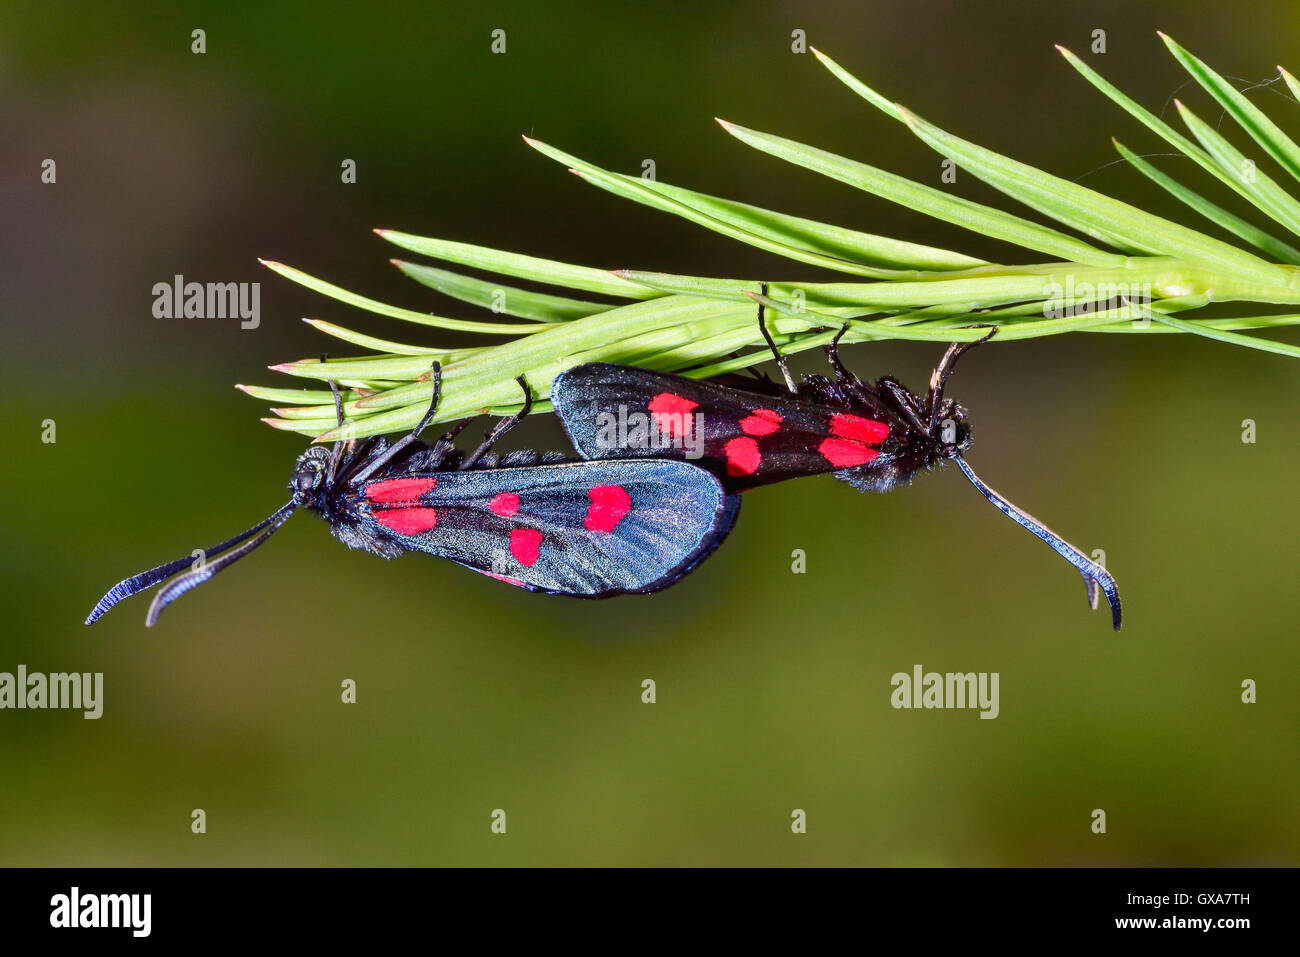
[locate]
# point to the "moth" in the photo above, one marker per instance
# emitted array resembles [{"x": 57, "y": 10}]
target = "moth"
[
  {"x": 539, "y": 522},
  {"x": 874, "y": 436}
]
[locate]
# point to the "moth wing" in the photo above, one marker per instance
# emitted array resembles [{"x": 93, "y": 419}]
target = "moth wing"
[
  {"x": 745, "y": 438},
  {"x": 591, "y": 529}
]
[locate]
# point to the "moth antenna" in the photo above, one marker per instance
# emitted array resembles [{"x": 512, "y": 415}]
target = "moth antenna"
[
  {"x": 138, "y": 583},
  {"x": 1095, "y": 578},
  {"x": 197, "y": 577}
]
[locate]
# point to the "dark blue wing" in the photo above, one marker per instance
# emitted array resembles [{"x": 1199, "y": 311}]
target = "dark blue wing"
[
  {"x": 591, "y": 529},
  {"x": 746, "y": 438}
]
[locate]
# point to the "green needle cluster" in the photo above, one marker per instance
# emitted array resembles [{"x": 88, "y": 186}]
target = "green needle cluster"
[{"x": 1106, "y": 266}]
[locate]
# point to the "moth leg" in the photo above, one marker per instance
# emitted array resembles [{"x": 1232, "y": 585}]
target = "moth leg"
[
  {"x": 443, "y": 447},
  {"x": 753, "y": 371},
  {"x": 756, "y": 373},
  {"x": 336, "y": 453},
  {"x": 833, "y": 354},
  {"x": 903, "y": 399},
  {"x": 405, "y": 440},
  {"x": 456, "y": 429},
  {"x": 501, "y": 428},
  {"x": 771, "y": 344},
  {"x": 943, "y": 370}
]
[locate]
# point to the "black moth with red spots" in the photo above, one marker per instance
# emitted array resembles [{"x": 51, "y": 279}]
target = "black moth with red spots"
[
  {"x": 875, "y": 437},
  {"x": 587, "y": 529},
  {"x": 755, "y": 435}
]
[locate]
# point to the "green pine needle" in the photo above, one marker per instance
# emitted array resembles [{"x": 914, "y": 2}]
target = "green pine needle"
[{"x": 1118, "y": 269}]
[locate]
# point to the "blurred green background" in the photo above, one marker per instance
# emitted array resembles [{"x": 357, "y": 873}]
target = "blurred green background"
[{"x": 773, "y": 688}]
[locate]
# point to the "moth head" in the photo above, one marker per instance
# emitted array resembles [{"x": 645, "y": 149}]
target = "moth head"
[
  {"x": 951, "y": 434},
  {"x": 309, "y": 473}
]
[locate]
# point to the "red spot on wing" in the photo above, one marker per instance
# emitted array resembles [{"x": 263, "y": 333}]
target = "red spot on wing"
[
  {"x": 669, "y": 411},
  {"x": 400, "y": 490},
  {"x": 859, "y": 429},
  {"x": 742, "y": 456},
  {"x": 408, "y": 521},
  {"x": 609, "y": 505},
  {"x": 505, "y": 504},
  {"x": 761, "y": 422},
  {"x": 505, "y": 578},
  {"x": 525, "y": 543},
  {"x": 844, "y": 453}
]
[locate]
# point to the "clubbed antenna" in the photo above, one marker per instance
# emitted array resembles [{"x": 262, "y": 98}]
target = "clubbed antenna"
[
  {"x": 1095, "y": 577},
  {"x": 138, "y": 583}
]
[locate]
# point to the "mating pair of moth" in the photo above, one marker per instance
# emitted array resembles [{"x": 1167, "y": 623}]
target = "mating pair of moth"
[{"x": 628, "y": 519}]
